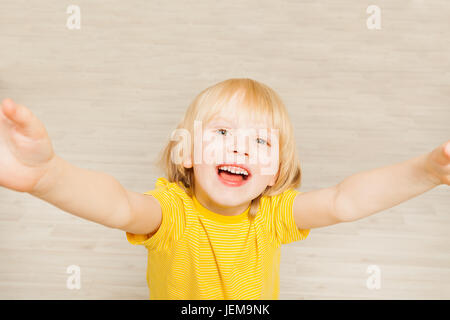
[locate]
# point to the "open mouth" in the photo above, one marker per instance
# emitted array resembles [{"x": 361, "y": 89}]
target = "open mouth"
[{"x": 232, "y": 174}]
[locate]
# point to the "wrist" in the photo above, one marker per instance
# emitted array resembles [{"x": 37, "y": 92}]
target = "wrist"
[
  {"x": 53, "y": 173},
  {"x": 428, "y": 172}
]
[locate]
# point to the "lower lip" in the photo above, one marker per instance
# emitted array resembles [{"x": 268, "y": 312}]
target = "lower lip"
[{"x": 229, "y": 183}]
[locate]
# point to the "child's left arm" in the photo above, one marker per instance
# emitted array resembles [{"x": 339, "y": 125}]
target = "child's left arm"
[{"x": 369, "y": 192}]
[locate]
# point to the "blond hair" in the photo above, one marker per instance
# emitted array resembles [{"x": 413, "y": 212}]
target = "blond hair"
[{"x": 258, "y": 102}]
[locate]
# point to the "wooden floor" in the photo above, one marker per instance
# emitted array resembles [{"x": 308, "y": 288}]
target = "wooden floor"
[{"x": 111, "y": 93}]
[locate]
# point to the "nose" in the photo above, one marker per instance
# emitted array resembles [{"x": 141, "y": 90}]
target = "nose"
[
  {"x": 246, "y": 153},
  {"x": 240, "y": 146}
]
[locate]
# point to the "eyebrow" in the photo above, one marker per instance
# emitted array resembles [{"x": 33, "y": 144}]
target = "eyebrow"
[
  {"x": 220, "y": 120},
  {"x": 216, "y": 120}
]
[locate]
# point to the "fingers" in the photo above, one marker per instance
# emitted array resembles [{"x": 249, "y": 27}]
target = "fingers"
[
  {"x": 15, "y": 112},
  {"x": 441, "y": 155},
  {"x": 25, "y": 122},
  {"x": 7, "y": 106},
  {"x": 447, "y": 149}
]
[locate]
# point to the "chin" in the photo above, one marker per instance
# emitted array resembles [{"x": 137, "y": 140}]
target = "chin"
[{"x": 230, "y": 201}]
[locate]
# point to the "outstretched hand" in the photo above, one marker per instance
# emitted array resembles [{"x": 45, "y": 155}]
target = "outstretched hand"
[
  {"x": 26, "y": 152},
  {"x": 438, "y": 164}
]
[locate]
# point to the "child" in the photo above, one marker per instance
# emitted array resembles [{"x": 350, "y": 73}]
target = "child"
[{"x": 214, "y": 226}]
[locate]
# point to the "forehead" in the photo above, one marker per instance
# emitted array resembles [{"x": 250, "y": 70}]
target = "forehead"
[
  {"x": 236, "y": 123},
  {"x": 239, "y": 109}
]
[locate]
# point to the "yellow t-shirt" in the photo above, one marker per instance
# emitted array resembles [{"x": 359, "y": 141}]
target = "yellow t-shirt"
[{"x": 199, "y": 254}]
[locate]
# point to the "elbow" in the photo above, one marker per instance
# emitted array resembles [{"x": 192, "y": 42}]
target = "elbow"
[
  {"x": 121, "y": 223},
  {"x": 122, "y": 217},
  {"x": 343, "y": 208}
]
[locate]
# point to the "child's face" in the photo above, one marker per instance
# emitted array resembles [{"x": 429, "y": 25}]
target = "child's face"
[{"x": 228, "y": 140}]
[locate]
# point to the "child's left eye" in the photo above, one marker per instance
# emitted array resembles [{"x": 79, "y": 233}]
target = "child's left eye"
[{"x": 263, "y": 141}]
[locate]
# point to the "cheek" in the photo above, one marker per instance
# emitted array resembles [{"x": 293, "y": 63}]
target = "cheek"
[
  {"x": 211, "y": 152},
  {"x": 259, "y": 181},
  {"x": 268, "y": 156},
  {"x": 267, "y": 179},
  {"x": 214, "y": 150},
  {"x": 200, "y": 170}
]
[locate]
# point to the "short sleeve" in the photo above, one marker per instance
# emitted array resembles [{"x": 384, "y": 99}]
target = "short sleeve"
[
  {"x": 285, "y": 229},
  {"x": 172, "y": 223}
]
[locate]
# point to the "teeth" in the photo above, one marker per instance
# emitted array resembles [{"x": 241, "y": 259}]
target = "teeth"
[{"x": 234, "y": 170}]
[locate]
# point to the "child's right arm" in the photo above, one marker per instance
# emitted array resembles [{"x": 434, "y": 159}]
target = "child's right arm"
[{"x": 28, "y": 164}]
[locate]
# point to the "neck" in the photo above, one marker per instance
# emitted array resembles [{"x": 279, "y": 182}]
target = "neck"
[{"x": 217, "y": 208}]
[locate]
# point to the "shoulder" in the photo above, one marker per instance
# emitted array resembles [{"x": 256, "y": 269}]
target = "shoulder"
[
  {"x": 277, "y": 213},
  {"x": 274, "y": 203},
  {"x": 173, "y": 201},
  {"x": 170, "y": 194}
]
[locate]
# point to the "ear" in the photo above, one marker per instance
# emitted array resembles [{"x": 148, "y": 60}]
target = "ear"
[{"x": 187, "y": 163}]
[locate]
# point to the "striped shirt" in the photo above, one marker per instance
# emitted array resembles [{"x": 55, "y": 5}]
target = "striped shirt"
[{"x": 199, "y": 254}]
